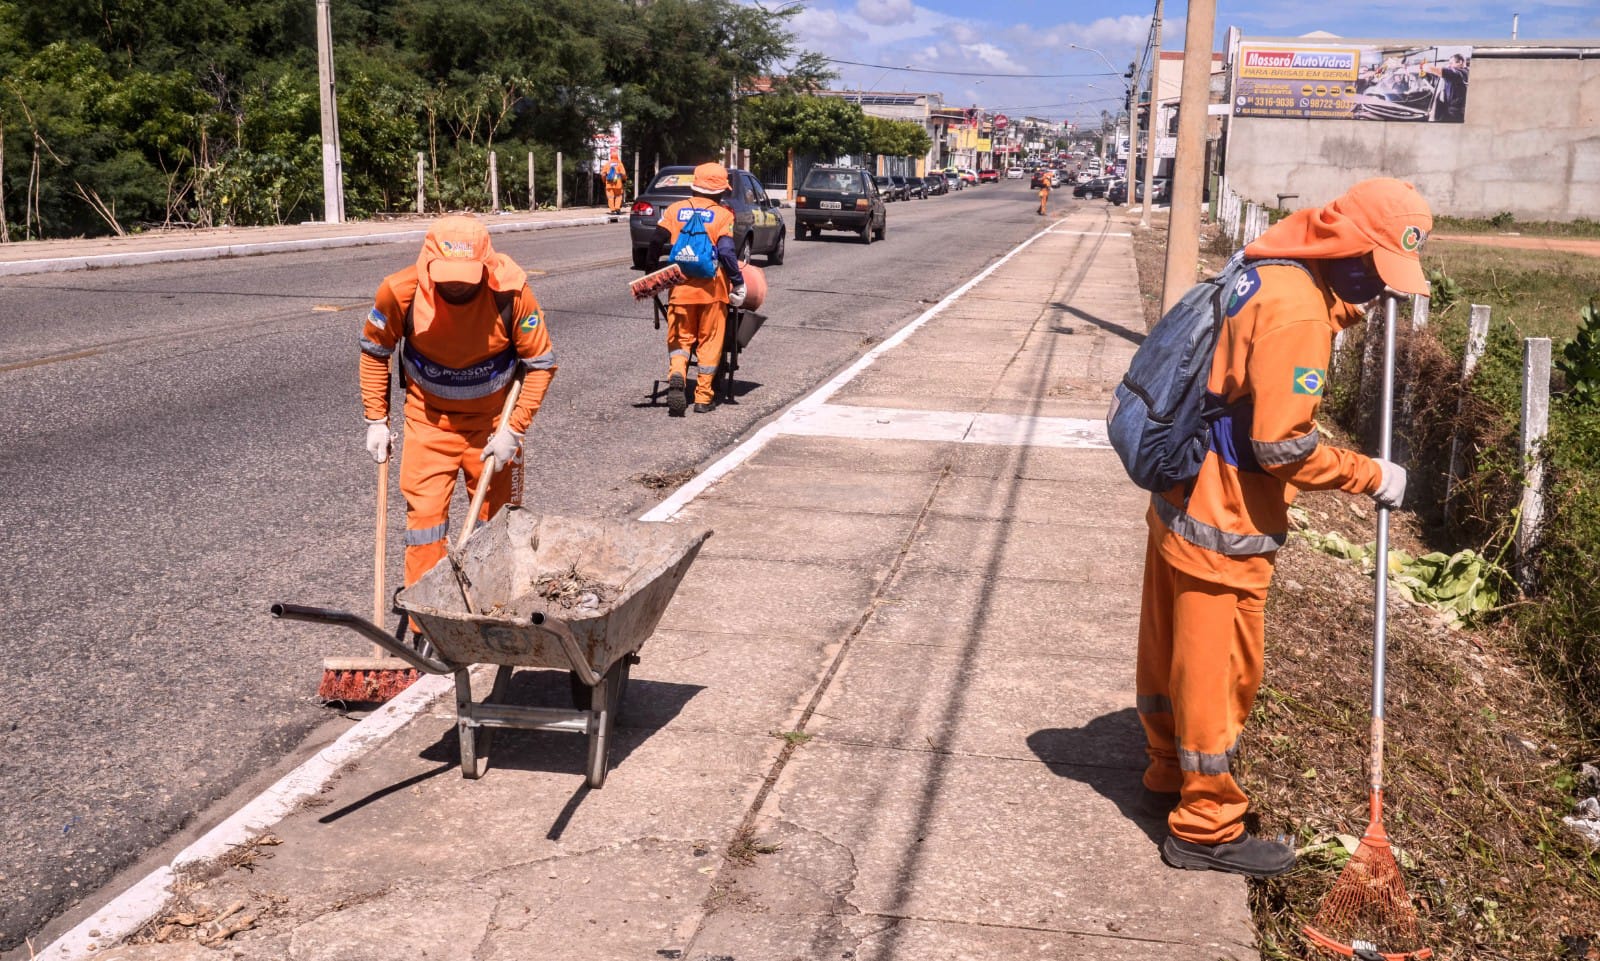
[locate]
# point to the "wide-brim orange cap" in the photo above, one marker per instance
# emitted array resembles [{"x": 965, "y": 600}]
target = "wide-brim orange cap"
[
  {"x": 457, "y": 250},
  {"x": 1397, "y": 220},
  {"x": 710, "y": 179}
]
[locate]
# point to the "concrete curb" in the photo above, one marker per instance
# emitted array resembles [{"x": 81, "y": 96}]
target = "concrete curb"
[
  {"x": 135, "y": 258},
  {"x": 138, "y": 904}
]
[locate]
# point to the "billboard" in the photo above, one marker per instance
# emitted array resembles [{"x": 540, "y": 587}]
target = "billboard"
[{"x": 1347, "y": 82}]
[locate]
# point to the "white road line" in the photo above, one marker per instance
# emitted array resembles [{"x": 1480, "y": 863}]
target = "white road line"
[
  {"x": 1092, "y": 233},
  {"x": 138, "y": 904},
  {"x": 669, "y": 508},
  {"x": 49, "y": 265},
  {"x": 944, "y": 426}
]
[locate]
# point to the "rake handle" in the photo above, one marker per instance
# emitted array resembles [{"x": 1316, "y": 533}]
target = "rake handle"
[
  {"x": 380, "y": 550},
  {"x": 1380, "y": 637}
]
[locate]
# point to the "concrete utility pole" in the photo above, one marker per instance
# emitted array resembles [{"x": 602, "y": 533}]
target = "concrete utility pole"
[
  {"x": 1150, "y": 118},
  {"x": 332, "y": 174},
  {"x": 1188, "y": 175}
]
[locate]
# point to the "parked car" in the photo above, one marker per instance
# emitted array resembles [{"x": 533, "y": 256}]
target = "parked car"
[
  {"x": 969, "y": 176},
  {"x": 758, "y": 227},
  {"x": 1093, "y": 188},
  {"x": 1013, "y": 173},
  {"x": 938, "y": 183},
  {"x": 917, "y": 187},
  {"x": 1161, "y": 187},
  {"x": 886, "y": 186},
  {"x": 988, "y": 175},
  {"x": 902, "y": 186},
  {"x": 953, "y": 174},
  {"x": 840, "y": 198}
]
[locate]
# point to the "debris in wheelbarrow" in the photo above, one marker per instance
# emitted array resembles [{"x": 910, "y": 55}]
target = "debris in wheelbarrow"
[{"x": 631, "y": 568}]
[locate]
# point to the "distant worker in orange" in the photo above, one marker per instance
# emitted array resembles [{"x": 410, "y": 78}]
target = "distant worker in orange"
[
  {"x": 1044, "y": 192},
  {"x": 1213, "y": 541},
  {"x": 465, "y": 324},
  {"x": 615, "y": 177},
  {"x": 697, "y": 309}
]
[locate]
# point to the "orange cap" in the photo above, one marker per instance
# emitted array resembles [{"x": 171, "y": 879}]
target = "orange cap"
[
  {"x": 457, "y": 250},
  {"x": 710, "y": 179},
  {"x": 1398, "y": 220}
]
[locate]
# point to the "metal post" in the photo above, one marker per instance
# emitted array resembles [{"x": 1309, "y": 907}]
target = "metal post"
[
  {"x": 532, "y": 205},
  {"x": 1188, "y": 175},
  {"x": 1477, "y": 342},
  {"x": 1420, "y": 311},
  {"x": 1150, "y": 121},
  {"x": 1535, "y": 424},
  {"x": 559, "y": 191},
  {"x": 638, "y": 175},
  {"x": 494, "y": 181},
  {"x": 422, "y": 181},
  {"x": 332, "y": 176}
]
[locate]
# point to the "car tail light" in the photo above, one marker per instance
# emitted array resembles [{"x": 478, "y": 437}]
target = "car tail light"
[
  {"x": 863, "y": 204},
  {"x": 642, "y": 208},
  {"x": 800, "y": 201}
]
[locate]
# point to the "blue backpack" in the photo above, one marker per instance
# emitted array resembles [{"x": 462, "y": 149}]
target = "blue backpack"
[
  {"x": 693, "y": 251},
  {"x": 1161, "y": 416},
  {"x": 611, "y": 175}
]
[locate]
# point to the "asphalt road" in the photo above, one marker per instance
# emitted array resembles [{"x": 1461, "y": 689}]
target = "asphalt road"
[{"x": 182, "y": 446}]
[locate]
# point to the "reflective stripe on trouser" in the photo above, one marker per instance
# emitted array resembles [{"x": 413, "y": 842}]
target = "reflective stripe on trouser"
[
  {"x": 698, "y": 328},
  {"x": 428, "y": 465},
  {"x": 1200, "y": 662}
]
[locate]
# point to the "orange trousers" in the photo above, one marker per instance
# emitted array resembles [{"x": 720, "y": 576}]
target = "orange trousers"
[
  {"x": 614, "y": 198},
  {"x": 1044, "y": 200},
  {"x": 428, "y": 464},
  {"x": 1199, "y": 667},
  {"x": 697, "y": 329}
]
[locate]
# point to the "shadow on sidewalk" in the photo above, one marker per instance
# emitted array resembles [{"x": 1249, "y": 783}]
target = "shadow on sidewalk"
[{"x": 1060, "y": 747}]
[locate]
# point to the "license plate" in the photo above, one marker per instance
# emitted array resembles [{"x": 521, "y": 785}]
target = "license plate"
[{"x": 830, "y": 205}]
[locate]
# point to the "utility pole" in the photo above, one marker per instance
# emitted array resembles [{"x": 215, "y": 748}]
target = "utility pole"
[
  {"x": 1188, "y": 175},
  {"x": 332, "y": 175},
  {"x": 1150, "y": 118}
]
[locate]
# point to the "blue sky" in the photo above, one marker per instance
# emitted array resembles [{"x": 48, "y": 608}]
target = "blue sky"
[{"x": 1000, "y": 43}]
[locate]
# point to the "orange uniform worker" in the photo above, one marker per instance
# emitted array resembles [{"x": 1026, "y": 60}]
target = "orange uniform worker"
[
  {"x": 1044, "y": 193},
  {"x": 465, "y": 322},
  {"x": 1213, "y": 541},
  {"x": 697, "y": 309},
  {"x": 616, "y": 177}
]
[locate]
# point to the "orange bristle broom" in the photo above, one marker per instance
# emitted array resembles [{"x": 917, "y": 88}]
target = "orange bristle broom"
[
  {"x": 380, "y": 677},
  {"x": 1368, "y": 913}
]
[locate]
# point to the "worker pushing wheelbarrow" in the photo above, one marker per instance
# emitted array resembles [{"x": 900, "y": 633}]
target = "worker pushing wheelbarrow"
[{"x": 537, "y": 591}]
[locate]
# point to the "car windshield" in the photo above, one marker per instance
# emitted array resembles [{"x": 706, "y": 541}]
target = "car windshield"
[
  {"x": 846, "y": 181},
  {"x": 672, "y": 182}
]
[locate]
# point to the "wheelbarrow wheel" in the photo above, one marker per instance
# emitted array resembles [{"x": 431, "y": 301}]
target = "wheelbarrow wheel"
[{"x": 603, "y": 718}]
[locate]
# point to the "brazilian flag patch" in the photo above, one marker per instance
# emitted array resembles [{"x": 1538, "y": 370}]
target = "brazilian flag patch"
[
  {"x": 529, "y": 323},
  {"x": 1310, "y": 380}
]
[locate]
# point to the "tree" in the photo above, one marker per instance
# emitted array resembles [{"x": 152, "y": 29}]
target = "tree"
[{"x": 825, "y": 127}]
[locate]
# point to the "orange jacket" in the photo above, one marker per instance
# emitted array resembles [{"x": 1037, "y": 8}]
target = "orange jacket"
[
  {"x": 695, "y": 290},
  {"x": 458, "y": 360},
  {"x": 1272, "y": 360},
  {"x": 622, "y": 175}
]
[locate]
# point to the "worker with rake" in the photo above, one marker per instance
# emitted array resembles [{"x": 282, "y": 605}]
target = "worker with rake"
[
  {"x": 466, "y": 324},
  {"x": 1213, "y": 540}
]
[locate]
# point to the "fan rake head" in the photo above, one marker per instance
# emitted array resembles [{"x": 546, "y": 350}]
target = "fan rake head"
[{"x": 1368, "y": 905}]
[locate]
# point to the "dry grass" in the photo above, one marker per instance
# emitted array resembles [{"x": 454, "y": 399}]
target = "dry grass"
[{"x": 1479, "y": 761}]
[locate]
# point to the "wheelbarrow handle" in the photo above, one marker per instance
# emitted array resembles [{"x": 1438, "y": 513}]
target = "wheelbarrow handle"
[{"x": 364, "y": 627}]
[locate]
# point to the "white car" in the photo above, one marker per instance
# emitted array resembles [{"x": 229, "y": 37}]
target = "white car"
[{"x": 1013, "y": 173}]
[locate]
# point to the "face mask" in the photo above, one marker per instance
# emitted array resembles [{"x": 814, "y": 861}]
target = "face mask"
[{"x": 1354, "y": 279}]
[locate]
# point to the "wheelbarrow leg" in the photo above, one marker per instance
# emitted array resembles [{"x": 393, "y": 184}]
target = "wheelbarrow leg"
[
  {"x": 604, "y": 701},
  {"x": 476, "y": 741}
]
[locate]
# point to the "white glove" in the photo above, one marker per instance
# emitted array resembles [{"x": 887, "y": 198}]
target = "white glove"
[
  {"x": 502, "y": 447},
  {"x": 736, "y": 296},
  {"x": 378, "y": 440},
  {"x": 1392, "y": 488}
]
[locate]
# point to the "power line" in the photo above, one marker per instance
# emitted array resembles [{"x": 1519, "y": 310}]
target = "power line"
[{"x": 964, "y": 73}]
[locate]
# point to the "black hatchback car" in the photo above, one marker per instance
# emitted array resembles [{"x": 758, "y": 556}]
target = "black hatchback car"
[
  {"x": 758, "y": 227},
  {"x": 839, "y": 198}
]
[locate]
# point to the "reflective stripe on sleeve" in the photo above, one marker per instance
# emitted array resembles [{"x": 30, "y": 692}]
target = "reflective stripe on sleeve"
[
  {"x": 1272, "y": 453},
  {"x": 377, "y": 350},
  {"x": 427, "y": 535},
  {"x": 1153, "y": 704},
  {"x": 1203, "y": 535},
  {"x": 544, "y": 361}
]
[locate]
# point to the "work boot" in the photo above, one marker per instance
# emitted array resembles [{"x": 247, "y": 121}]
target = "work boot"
[
  {"x": 1245, "y": 854},
  {"x": 675, "y": 396},
  {"x": 704, "y": 408},
  {"x": 1157, "y": 804}
]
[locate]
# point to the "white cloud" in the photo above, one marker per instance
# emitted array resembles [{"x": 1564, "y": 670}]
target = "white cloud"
[{"x": 886, "y": 13}]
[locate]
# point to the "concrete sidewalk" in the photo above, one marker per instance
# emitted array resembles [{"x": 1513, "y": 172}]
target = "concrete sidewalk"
[
  {"x": 889, "y": 714},
  {"x": 162, "y": 246}
]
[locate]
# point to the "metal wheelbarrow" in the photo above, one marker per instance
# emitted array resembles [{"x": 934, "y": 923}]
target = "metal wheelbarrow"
[{"x": 552, "y": 592}]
